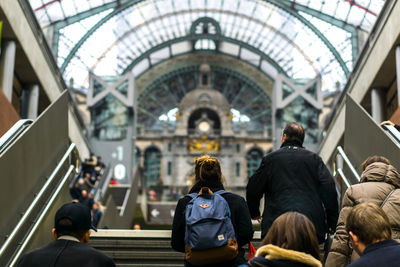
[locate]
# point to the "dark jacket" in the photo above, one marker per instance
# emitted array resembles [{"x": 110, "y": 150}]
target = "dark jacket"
[
  {"x": 240, "y": 218},
  {"x": 65, "y": 253},
  {"x": 76, "y": 192},
  {"x": 273, "y": 256},
  {"x": 87, "y": 201},
  {"x": 294, "y": 179},
  {"x": 385, "y": 253}
]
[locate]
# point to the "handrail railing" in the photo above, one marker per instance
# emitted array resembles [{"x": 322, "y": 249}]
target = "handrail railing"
[
  {"x": 44, "y": 212},
  {"x": 13, "y": 133},
  {"x": 125, "y": 202},
  {"x": 346, "y": 159},
  {"x": 392, "y": 131},
  {"x": 343, "y": 176},
  {"x": 103, "y": 184},
  {"x": 36, "y": 200}
]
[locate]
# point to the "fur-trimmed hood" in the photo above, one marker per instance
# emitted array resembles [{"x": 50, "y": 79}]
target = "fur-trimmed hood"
[{"x": 271, "y": 252}]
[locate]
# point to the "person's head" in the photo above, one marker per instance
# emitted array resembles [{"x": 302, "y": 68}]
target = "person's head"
[
  {"x": 293, "y": 132},
  {"x": 207, "y": 168},
  {"x": 73, "y": 219},
  {"x": 367, "y": 223},
  {"x": 293, "y": 230},
  {"x": 373, "y": 159},
  {"x": 88, "y": 175},
  {"x": 137, "y": 227},
  {"x": 95, "y": 206},
  {"x": 84, "y": 193}
]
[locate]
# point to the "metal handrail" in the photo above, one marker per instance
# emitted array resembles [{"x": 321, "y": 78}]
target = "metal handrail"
[
  {"x": 44, "y": 213},
  {"x": 341, "y": 173},
  {"x": 36, "y": 200},
  {"x": 346, "y": 159},
  {"x": 393, "y": 132},
  {"x": 126, "y": 198},
  {"x": 13, "y": 133},
  {"x": 103, "y": 184}
]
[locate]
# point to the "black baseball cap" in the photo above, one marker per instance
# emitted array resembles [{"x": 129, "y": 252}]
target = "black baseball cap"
[{"x": 78, "y": 214}]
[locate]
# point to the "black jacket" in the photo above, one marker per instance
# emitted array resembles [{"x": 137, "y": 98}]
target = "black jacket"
[
  {"x": 65, "y": 253},
  {"x": 294, "y": 179},
  {"x": 240, "y": 217}
]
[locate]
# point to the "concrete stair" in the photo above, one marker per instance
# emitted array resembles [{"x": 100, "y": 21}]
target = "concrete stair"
[{"x": 129, "y": 248}]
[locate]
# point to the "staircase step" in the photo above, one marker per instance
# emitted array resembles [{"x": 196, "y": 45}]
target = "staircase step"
[
  {"x": 149, "y": 265},
  {"x": 144, "y": 249}
]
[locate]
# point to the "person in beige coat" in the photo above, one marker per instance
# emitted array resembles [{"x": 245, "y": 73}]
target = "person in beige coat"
[{"x": 380, "y": 184}]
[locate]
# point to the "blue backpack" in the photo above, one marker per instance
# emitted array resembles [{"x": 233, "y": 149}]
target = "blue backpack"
[{"x": 209, "y": 234}]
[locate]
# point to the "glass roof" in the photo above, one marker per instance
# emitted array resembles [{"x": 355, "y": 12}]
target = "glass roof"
[{"x": 302, "y": 38}]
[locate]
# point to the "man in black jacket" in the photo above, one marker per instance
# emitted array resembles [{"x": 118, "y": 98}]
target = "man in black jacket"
[
  {"x": 293, "y": 179},
  {"x": 71, "y": 232}
]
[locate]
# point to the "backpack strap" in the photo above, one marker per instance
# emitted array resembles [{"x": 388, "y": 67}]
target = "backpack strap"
[
  {"x": 222, "y": 192},
  {"x": 192, "y": 195},
  {"x": 219, "y": 192}
]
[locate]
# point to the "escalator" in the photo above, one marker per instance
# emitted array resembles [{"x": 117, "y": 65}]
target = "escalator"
[
  {"x": 36, "y": 166},
  {"x": 363, "y": 137}
]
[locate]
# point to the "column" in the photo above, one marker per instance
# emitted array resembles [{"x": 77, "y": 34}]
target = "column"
[
  {"x": 7, "y": 62},
  {"x": 33, "y": 102},
  {"x": 378, "y": 104},
  {"x": 398, "y": 73}
]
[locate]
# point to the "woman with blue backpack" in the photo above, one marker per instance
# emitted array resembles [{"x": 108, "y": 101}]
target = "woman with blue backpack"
[{"x": 210, "y": 224}]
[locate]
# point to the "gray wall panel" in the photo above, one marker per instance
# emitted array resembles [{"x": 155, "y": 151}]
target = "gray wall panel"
[
  {"x": 26, "y": 164},
  {"x": 364, "y": 137}
]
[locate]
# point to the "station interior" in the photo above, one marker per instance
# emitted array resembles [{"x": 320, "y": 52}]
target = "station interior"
[{"x": 141, "y": 89}]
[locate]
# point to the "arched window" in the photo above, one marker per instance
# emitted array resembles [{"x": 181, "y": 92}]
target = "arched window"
[
  {"x": 254, "y": 157},
  {"x": 152, "y": 158},
  {"x": 205, "y": 44}
]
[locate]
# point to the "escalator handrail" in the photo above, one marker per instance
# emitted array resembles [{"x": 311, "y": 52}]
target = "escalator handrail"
[
  {"x": 36, "y": 200},
  {"x": 346, "y": 159},
  {"x": 13, "y": 133},
  {"x": 393, "y": 132},
  {"x": 43, "y": 213}
]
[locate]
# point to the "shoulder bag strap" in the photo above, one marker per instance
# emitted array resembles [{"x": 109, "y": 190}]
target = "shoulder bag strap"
[{"x": 387, "y": 197}]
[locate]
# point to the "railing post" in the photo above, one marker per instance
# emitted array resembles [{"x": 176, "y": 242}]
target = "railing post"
[{"x": 339, "y": 161}]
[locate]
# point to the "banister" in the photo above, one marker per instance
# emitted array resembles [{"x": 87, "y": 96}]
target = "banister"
[{"x": 36, "y": 200}]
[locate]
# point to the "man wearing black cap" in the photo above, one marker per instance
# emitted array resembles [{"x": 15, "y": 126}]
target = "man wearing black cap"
[{"x": 71, "y": 232}]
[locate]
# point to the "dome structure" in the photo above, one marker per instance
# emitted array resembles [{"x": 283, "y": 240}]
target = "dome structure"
[{"x": 205, "y": 97}]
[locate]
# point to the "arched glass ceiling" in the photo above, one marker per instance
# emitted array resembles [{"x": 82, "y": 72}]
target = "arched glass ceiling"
[
  {"x": 245, "y": 97},
  {"x": 304, "y": 38}
]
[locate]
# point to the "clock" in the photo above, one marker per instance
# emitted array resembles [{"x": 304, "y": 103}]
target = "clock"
[{"x": 204, "y": 126}]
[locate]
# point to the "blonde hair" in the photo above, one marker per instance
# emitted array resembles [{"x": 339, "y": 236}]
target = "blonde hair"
[{"x": 207, "y": 168}]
